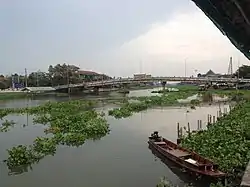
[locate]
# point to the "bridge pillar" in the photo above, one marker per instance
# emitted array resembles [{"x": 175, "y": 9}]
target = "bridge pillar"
[
  {"x": 163, "y": 83},
  {"x": 96, "y": 89},
  {"x": 125, "y": 88}
]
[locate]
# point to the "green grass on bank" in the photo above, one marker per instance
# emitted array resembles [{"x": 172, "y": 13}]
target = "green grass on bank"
[
  {"x": 183, "y": 88},
  {"x": 12, "y": 95}
]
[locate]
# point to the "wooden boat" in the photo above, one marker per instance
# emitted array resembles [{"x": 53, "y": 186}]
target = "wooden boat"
[{"x": 189, "y": 160}]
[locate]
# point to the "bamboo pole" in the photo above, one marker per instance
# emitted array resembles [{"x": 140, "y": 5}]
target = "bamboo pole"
[
  {"x": 188, "y": 128},
  {"x": 178, "y": 130}
]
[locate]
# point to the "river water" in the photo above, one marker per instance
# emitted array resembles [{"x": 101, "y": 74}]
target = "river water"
[{"x": 119, "y": 159}]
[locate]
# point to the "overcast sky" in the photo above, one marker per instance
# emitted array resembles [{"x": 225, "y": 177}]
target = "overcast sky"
[{"x": 115, "y": 37}]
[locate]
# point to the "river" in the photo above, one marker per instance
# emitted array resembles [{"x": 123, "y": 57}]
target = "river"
[{"x": 121, "y": 158}]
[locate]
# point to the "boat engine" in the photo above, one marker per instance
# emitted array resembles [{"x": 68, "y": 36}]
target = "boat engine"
[{"x": 155, "y": 136}]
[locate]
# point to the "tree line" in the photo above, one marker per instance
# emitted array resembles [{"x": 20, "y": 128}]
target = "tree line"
[
  {"x": 59, "y": 74},
  {"x": 62, "y": 74}
]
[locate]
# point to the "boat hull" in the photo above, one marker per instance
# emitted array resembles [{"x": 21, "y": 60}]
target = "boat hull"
[{"x": 183, "y": 164}]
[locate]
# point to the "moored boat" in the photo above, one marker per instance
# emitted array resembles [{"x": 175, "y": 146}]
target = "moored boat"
[{"x": 185, "y": 158}]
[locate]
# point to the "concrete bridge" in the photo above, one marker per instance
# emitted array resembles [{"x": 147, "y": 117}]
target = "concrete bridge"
[{"x": 127, "y": 81}]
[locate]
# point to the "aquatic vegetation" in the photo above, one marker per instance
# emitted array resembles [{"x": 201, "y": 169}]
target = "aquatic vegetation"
[
  {"x": 166, "y": 183},
  {"x": 6, "y": 125},
  {"x": 234, "y": 95},
  {"x": 44, "y": 146},
  {"x": 128, "y": 109},
  {"x": 20, "y": 155},
  {"x": 195, "y": 102},
  {"x": 219, "y": 184},
  {"x": 70, "y": 123},
  {"x": 207, "y": 97},
  {"x": 227, "y": 142}
]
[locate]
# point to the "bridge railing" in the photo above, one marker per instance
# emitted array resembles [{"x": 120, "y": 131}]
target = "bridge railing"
[{"x": 152, "y": 79}]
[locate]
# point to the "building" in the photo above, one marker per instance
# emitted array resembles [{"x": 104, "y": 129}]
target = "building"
[
  {"x": 92, "y": 76},
  {"x": 210, "y": 73},
  {"x": 38, "y": 89},
  {"x": 142, "y": 76}
]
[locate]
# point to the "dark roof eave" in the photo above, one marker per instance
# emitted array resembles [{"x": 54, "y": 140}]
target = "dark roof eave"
[{"x": 225, "y": 26}]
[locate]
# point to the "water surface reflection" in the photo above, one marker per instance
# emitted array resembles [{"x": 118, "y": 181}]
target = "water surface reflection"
[{"x": 121, "y": 158}]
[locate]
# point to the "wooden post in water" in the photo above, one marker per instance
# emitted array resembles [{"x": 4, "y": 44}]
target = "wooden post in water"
[
  {"x": 178, "y": 130},
  {"x": 213, "y": 119},
  {"x": 210, "y": 119},
  {"x": 181, "y": 133},
  {"x": 200, "y": 125},
  {"x": 188, "y": 128},
  {"x": 178, "y": 134}
]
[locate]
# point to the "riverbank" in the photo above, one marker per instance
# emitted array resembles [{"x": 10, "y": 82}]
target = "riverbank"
[
  {"x": 12, "y": 95},
  {"x": 4, "y": 96}
]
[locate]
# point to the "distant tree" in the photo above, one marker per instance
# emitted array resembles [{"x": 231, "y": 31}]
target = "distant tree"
[
  {"x": 39, "y": 79},
  {"x": 3, "y": 82},
  {"x": 243, "y": 71},
  {"x": 62, "y": 74},
  {"x": 8, "y": 81},
  {"x": 3, "y": 85}
]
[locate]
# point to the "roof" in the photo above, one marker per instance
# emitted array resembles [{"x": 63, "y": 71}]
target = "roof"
[
  {"x": 232, "y": 18},
  {"x": 39, "y": 89},
  {"x": 210, "y": 72},
  {"x": 82, "y": 72}
]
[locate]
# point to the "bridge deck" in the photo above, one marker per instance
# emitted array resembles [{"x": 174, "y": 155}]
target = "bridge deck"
[{"x": 150, "y": 80}]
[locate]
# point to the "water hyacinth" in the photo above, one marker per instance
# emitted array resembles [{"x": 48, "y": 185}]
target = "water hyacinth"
[
  {"x": 227, "y": 142},
  {"x": 144, "y": 103},
  {"x": 70, "y": 123}
]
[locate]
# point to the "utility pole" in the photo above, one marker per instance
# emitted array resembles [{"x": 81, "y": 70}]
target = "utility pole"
[
  {"x": 238, "y": 74},
  {"x": 37, "y": 81},
  {"x": 12, "y": 81},
  {"x": 238, "y": 69},
  {"x": 185, "y": 67},
  {"x": 140, "y": 66},
  {"x": 68, "y": 82},
  {"x": 26, "y": 81}
]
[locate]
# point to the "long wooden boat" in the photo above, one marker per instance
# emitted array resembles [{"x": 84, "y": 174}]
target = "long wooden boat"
[{"x": 187, "y": 159}]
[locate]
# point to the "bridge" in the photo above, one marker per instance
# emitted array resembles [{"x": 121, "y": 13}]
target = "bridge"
[{"x": 127, "y": 81}]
